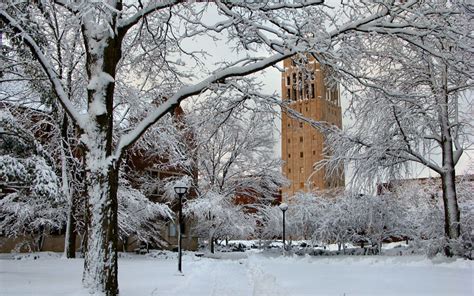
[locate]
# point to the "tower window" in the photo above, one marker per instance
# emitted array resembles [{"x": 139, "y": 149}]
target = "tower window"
[
  {"x": 288, "y": 80},
  {"x": 301, "y": 125},
  {"x": 289, "y": 155},
  {"x": 314, "y": 152},
  {"x": 301, "y": 170},
  {"x": 301, "y": 139},
  {"x": 289, "y": 170},
  {"x": 294, "y": 94},
  {"x": 288, "y": 93},
  {"x": 334, "y": 94},
  {"x": 313, "y": 95},
  {"x": 294, "y": 78},
  {"x": 289, "y": 140},
  {"x": 301, "y": 154}
]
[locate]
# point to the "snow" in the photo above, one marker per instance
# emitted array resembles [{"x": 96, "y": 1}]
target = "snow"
[{"x": 250, "y": 273}]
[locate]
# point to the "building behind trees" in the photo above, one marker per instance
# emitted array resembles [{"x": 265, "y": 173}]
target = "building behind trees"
[{"x": 308, "y": 92}]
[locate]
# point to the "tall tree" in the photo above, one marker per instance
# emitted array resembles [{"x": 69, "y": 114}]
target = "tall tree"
[
  {"x": 235, "y": 147},
  {"x": 235, "y": 160},
  {"x": 407, "y": 107}
]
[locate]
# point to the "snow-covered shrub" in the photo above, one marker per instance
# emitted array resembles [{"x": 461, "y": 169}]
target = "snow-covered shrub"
[
  {"x": 31, "y": 203},
  {"x": 34, "y": 206},
  {"x": 138, "y": 216},
  {"x": 361, "y": 219},
  {"x": 381, "y": 218},
  {"x": 425, "y": 216},
  {"x": 218, "y": 217},
  {"x": 269, "y": 222},
  {"x": 304, "y": 213}
]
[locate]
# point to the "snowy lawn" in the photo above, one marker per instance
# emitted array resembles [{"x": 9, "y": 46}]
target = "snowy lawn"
[{"x": 248, "y": 273}]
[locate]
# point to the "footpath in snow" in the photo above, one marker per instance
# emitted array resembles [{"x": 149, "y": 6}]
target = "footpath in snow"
[{"x": 246, "y": 274}]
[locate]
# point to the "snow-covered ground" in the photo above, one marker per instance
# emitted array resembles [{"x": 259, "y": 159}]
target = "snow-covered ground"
[{"x": 250, "y": 273}]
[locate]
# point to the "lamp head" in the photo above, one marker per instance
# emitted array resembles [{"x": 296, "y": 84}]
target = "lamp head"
[
  {"x": 180, "y": 187},
  {"x": 283, "y": 206}
]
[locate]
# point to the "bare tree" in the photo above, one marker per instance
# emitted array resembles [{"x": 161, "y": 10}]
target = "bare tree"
[
  {"x": 234, "y": 143},
  {"x": 237, "y": 168}
]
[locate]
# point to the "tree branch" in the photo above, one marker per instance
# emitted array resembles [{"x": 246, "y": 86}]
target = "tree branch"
[{"x": 47, "y": 67}]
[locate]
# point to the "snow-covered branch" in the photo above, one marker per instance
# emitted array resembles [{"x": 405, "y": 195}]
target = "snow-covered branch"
[
  {"x": 47, "y": 67},
  {"x": 132, "y": 136}
]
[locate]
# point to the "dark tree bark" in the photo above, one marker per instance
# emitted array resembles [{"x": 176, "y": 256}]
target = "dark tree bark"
[
  {"x": 211, "y": 244},
  {"x": 452, "y": 218},
  {"x": 100, "y": 264}
]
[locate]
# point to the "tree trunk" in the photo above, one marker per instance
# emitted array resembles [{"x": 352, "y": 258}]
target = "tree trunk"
[
  {"x": 125, "y": 244},
  {"x": 84, "y": 203},
  {"x": 70, "y": 235},
  {"x": 451, "y": 209},
  {"x": 211, "y": 244},
  {"x": 100, "y": 264},
  {"x": 40, "y": 240},
  {"x": 103, "y": 52}
]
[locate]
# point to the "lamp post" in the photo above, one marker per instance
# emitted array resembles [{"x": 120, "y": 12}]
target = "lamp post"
[
  {"x": 283, "y": 207},
  {"x": 180, "y": 188}
]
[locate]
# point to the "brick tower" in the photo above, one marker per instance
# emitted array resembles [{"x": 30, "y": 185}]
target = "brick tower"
[{"x": 303, "y": 84}]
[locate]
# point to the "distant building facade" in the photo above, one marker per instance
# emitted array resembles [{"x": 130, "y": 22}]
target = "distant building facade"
[{"x": 303, "y": 85}]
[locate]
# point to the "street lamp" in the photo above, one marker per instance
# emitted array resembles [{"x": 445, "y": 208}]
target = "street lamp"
[
  {"x": 283, "y": 207},
  {"x": 180, "y": 188}
]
